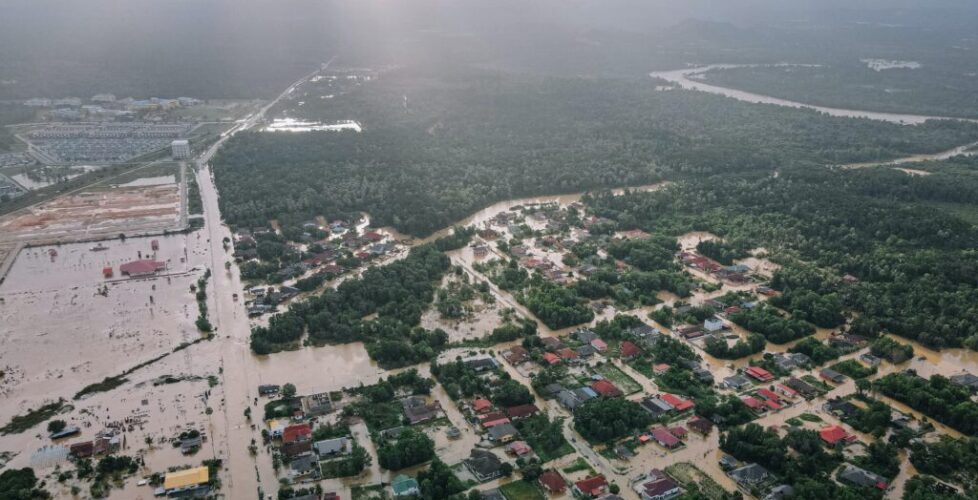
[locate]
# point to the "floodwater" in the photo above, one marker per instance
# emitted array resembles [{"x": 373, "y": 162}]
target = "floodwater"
[
  {"x": 692, "y": 78},
  {"x": 295, "y": 125},
  {"x": 965, "y": 150}
]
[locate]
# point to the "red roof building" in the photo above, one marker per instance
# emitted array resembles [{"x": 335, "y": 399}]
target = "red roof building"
[
  {"x": 493, "y": 419},
  {"x": 834, "y": 434},
  {"x": 298, "y": 432},
  {"x": 144, "y": 267},
  {"x": 769, "y": 395},
  {"x": 599, "y": 345},
  {"x": 753, "y": 403},
  {"x": 551, "y": 358},
  {"x": 481, "y": 405},
  {"x": 373, "y": 236},
  {"x": 680, "y": 404},
  {"x": 759, "y": 374},
  {"x": 700, "y": 425},
  {"x": 678, "y": 431},
  {"x": 665, "y": 438},
  {"x": 772, "y": 405},
  {"x": 660, "y": 368},
  {"x": 522, "y": 411},
  {"x": 107, "y": 272},
  {"x": 518, "y": 448},
  {"x": 552, "y": 482},
  {"x": 628, "y": 350},
  {"x": 567, "y": 353},
  {"x": 787, "y": 391},
  {"x": 606, "y": 388},
  {"x": 592, "y": 486}
]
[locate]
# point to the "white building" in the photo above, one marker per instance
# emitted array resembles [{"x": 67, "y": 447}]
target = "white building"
[{"x": 180, "y": 149}]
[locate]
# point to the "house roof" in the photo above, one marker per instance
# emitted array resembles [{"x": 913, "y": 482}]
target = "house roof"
[
  {"x": 862, "y": 477},
  {"x": 330, "y": 446},
  {"x": 606, "y": 388},
  {"x": 752, "y": 402},
  {"x": 296, "y": 432},
  {"x": 403, "y": 485},
  {"x": 627, "y": 349},
  {"x": 141, "y": 267},
  {"x": 522, "y": 411},
  {"x": 483, "y": 462},
  {"x": 502, "y": 430},
  {"x": 552, "y": 481},
  {"x": 680, "y": 404},
  {"x": 592, "y": 485},
  {"x": 768, "y": 394},
  {"x": 750, "y": 474},
  {"x": 185, "y": 478},
  {"x": 481, "y": 405},
  {"x": 700, "y": 424},
  {"x": 519, "y": 447},
  {"x": 833, "y": 434},
  {"x": 567, "y": 353},
  {"x": 665, "y": 438},
  {"x": 551, "y": 358},
  {"x": 599, "y": 344},
  {"x": 659, "y": 486},
  {"x": 759, "y": 373}
]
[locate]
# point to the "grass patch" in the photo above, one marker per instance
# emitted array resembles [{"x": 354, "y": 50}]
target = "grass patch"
[
  {"x": 521, "y": 490},
  {"x": 854, "y": 369},
  {"x": 545, "y": 436},
  {"x": 816, "y": 383},
  {"x": 627, "y": 384},
  {"x": 21, "y": 423},
  {"x": 808, "y": 417},
  {"x": 372, "y": 492},
  {"x": 578, "y": 465},
  {"x": 794, "y": 422},
  {"x": 694, "y": 479}
]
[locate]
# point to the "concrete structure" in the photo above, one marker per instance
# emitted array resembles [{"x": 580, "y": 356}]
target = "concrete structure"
[{"x": 180, "y": 149}]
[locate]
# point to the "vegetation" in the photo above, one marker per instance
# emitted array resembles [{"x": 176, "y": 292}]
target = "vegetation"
[
  {"x": 954, "y": 460},
  {"x": 438, "y": 481},
  {"x": 420, "y": 182},
  {"x": 718, "y": 348},
  {"x": 768, "y": 322},
  {"x": 937, "y": 397},
  {"x": 545, "y": 436},
  {"x": 854, "y": 369},
  {"x": 21, "y": 423},
  {"x": 410, "y": 448},
  {"x": 605, "y": 420},
  {"x": 818, "y": 351},
  {"x": 21, "y": 484},
  {"x": 397, "y": 293},
  {"x": 350, "y": 465},
  {"x": 887, "y": 348}
]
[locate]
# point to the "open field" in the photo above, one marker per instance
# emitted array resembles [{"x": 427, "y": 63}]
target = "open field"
[{"x": 98, "y": 211}]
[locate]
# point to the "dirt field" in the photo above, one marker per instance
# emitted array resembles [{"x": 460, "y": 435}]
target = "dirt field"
[{"x": 98, "y": 212}]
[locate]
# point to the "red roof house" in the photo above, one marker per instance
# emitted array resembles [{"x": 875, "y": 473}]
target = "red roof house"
[
  {"x": 759, "y": 373},
  {"x": 835, "y": 433},
  {"x": 774, "y": 406},
  {"x": 481, "y": 405},
  {"x": 522, "y": 411},
  {"x": 552, "y": 482},
  {"x": 599, "y": 345},
  {"x": 606, "y": 388},
  {"x": 567, "y": 353},
  {"x": 628, "y": 350},
  {"x": 660, "y": 368},
  {"x": 518, "y": 448},
  {"x": 144, "y": 267},
  {"x": 753, "y": 403},
  {"x": 678, "y": 431},
  {"x": 769, "y": 395},
  {"x": 680, "y": 404},
  {"x": 592, "y": 486},
  {"x": 665, "y": 438},
  {"x": 298, "y": 432},
  {"x": 551, "y": 358}
]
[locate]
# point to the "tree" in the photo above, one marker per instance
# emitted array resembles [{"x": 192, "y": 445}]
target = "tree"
[
  {"x": 56, "y": 426},
  {"x": 288, "y": 391}
]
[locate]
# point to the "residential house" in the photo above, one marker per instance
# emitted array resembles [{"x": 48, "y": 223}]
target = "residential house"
[
  {"x": 628, "y": 350},
  {"x": 484, "y": 465},
  {"x": 518, "y": 448},
  {"x": 802, "y": 387},
  {"x": 295, "y": 449},
  {"x": 298, "y": 432},
  {"x": 586, "y": 351},
  {"x": 832, "y": 376},
  {"x": 551, "y": 343},
  {"x": 871, "y": 360},
  {"x": 700, "y": 424},
  {"x": 503, "y": 433},
  {"x": 187, "y": 482},
  {"x": 585, "y": 394},
  {"x": 516, "y": 355},
  {"x": 591, "y": 487},
  {"x": 552, "y": 482},
  {"x": 862, "y": 477},
  {"x": 304, "y": 466},
  {"x": 835, "y": 434},
  {"x": 736, "y": 382},
  {"x": 331, "y": 447},
  {"x": 569, "y": 355},
  {"x": 481, "y": 406},
  {"x": 679, "y": 403},
  {"x": 759, "y": 374},
  {"x": 606, "y": 388},
  {"x": 665, "y": 438},
  {"x": 599, "y": 345},
  {"x": 568, "y": 400},
  {"x": 780, "y": 492},
  {"x": 966, "y": 380},
  {"x": 585, "y": 336},
  {"x": 404, "y": 486},
  {"x": 481, "y": 364},
  {"x": 315, "y": 405},
  {"x": 754, "y": 403},
  {"x": 842, "y": 408},
  {"x": 657, "y": 486},
  {"x": 749, "y": 475},
  {"x": 656, "y": 406},
  {"x": 522, "y": 411},
  {"x": 417, "y": 410},
  {"x": 551, "y": 358},
  {"x": 713, "y": 325},
  {"x": 493, "y": 419}
]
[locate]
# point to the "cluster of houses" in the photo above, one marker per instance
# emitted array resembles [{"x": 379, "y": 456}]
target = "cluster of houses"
[{"x": 736, "y": 274}]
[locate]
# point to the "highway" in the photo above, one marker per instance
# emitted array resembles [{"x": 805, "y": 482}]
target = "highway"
[{"x": 247, "y": 474}]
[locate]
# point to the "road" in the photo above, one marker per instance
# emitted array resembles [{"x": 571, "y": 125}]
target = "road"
[{"x": 247, "y": 475}]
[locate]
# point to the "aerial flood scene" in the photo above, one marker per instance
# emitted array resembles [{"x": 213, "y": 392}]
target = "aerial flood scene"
[{"x": 465, "y": 250}]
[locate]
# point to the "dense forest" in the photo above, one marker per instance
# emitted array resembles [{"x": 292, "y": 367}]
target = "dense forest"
[
  {"x": 853, "y": 84},
  {"x": 906, "y": 242},
  {"x": 437, "y": 147},
  {"x": 397, "y": 293}
]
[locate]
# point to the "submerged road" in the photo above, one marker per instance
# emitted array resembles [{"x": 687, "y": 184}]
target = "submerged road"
[{"x": 247, "y": 474}]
